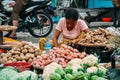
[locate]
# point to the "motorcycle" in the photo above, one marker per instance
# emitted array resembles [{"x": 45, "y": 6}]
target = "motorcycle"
[{"x": 33, "y": 18}]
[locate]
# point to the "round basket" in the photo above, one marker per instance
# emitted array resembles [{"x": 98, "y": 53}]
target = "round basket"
[
  {"x": 22, "y": 66},
  {"x": 106, "y": 19},
  {"x": 38, "y": 67},
  {"x": 91, "y": 45},
  {"x": 7, "y": 28}
]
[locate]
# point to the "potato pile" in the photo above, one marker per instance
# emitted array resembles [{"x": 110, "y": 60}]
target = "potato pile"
[{"x": 23, "y": 52}]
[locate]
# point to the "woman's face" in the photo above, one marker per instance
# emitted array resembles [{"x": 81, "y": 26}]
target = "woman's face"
[{"x": 70, "y": 24}]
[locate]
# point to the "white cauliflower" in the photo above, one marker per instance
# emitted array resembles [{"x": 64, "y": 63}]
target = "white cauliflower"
[
  {"x": 74, "y": 62},
  {"x": 92, "y": 69},
  {"x": 50, "y": 69},
  {"x": 75, "y": 67},
  {"x": 90, "y": 60}
]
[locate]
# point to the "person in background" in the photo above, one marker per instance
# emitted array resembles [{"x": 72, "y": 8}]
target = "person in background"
[
  {"x": 54, "y": 3},
  {"x": 70, "y": 27},
  {"x": 19, "y": 5}
]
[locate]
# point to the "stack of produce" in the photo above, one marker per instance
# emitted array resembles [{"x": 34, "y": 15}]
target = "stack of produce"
[
  {"x": 115, "y": 41},
  {"x": 23, "y": 52},
  {"x": 60, "y": 55},
  {"x": 10, "y": 73},
  {"x": 80, "y": 70},
  {"x": 50, "y": 69},
  {"x": 99, "y": 37}
]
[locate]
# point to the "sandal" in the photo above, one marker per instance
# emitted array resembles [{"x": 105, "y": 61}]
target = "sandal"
[{"x": 13, "y": 37}]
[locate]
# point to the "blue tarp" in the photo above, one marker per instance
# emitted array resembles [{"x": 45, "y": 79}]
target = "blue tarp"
[{"x": 99, "y": 3}]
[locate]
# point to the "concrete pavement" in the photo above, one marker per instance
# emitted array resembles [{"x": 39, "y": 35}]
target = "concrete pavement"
[{"x": 26, "y": 36}]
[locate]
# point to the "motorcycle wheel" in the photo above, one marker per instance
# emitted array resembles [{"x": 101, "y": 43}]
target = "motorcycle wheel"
[{"x": 43, "y": 27}]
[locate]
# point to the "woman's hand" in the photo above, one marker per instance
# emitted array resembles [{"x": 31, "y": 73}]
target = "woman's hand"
[
  {"x": 55, "y": 39},
  {"x": 76, "y": 40}
]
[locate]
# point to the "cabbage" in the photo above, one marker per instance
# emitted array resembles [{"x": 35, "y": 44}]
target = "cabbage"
[
  {"x": 25, "y": 75},
  {"x": 6, "y": 73},
  {"x": 10, "y": 73}
]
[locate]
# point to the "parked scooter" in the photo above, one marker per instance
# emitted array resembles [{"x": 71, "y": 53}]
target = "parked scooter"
[{"x": 33, "y": 18}]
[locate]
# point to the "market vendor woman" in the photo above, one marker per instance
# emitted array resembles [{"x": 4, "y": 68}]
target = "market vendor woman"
[{"x": 70, "y": 27}]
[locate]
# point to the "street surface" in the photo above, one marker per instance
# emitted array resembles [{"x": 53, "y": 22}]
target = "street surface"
[{"x": 26, "y": 36}]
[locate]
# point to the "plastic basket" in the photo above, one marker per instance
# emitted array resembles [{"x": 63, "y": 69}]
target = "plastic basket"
[
  {"x": 22, "y": 66},
  {"x": 106, "y": 19}
]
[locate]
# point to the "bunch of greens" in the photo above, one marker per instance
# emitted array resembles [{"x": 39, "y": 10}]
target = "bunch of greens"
[
  {"x": 81, "y": 74},
  {"x": 115, "y": 41},
  {"x": 7, "y": 72},
  {"x": 25, "y": 75},
  {"x": 10, "y": 73}
]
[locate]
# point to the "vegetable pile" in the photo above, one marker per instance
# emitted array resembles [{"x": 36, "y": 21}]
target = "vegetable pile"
[
  {"x": 23, "y": 52},
  {"x": 116, "y": 54},
  {"x": 96, "y": 37},
  {"x": 59, "y": 55},
  {"x": 50, "y": 69},
  {"x": 10, "y": 73},
  {"x": 81, "y": 70},
  {"x": 115, "y": 41}
]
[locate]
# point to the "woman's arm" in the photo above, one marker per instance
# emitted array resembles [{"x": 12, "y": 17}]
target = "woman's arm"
[
  {"x": 55, "y": 39},
  {"x": 86, "y": 30},
  {"x": 80, "y": 36}
]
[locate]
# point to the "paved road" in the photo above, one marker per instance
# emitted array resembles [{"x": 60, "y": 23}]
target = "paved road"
[{"x": 25, "y": 36}]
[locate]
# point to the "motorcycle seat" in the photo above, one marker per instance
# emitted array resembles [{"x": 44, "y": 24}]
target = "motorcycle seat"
[{"x": 31, "y": 3}]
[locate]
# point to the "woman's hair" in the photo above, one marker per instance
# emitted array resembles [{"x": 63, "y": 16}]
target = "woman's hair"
[{"x": 72, "y": 14}]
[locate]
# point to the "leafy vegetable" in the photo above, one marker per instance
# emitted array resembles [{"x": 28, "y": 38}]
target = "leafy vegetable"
[
  {"x": 81, "y": 69},
  {"x": 116, "y": 51},
  {"x": 86, "y": 75},
  {"x": 100, "y": 73},
  {"x": 6, "y": 73},
  {"x": 25, "y": 75},
  {"x": 78, "y": 75},
  {"x": 68, "y": 77},
  {"x": 68, "y": 69},
  {"x": 100, "y": 78},
  {"x": 54, "y": 76},
  {"x": 94, "y": 77},
  {"x": 60, "y": 71},
  {"x": 86, "y": 66}
]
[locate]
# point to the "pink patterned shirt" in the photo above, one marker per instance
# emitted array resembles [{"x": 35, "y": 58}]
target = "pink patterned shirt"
[{"x": 69, "y": 35}]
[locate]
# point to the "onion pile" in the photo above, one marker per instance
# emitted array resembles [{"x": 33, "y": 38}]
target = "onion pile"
[{"x": 60, "y": 55}]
